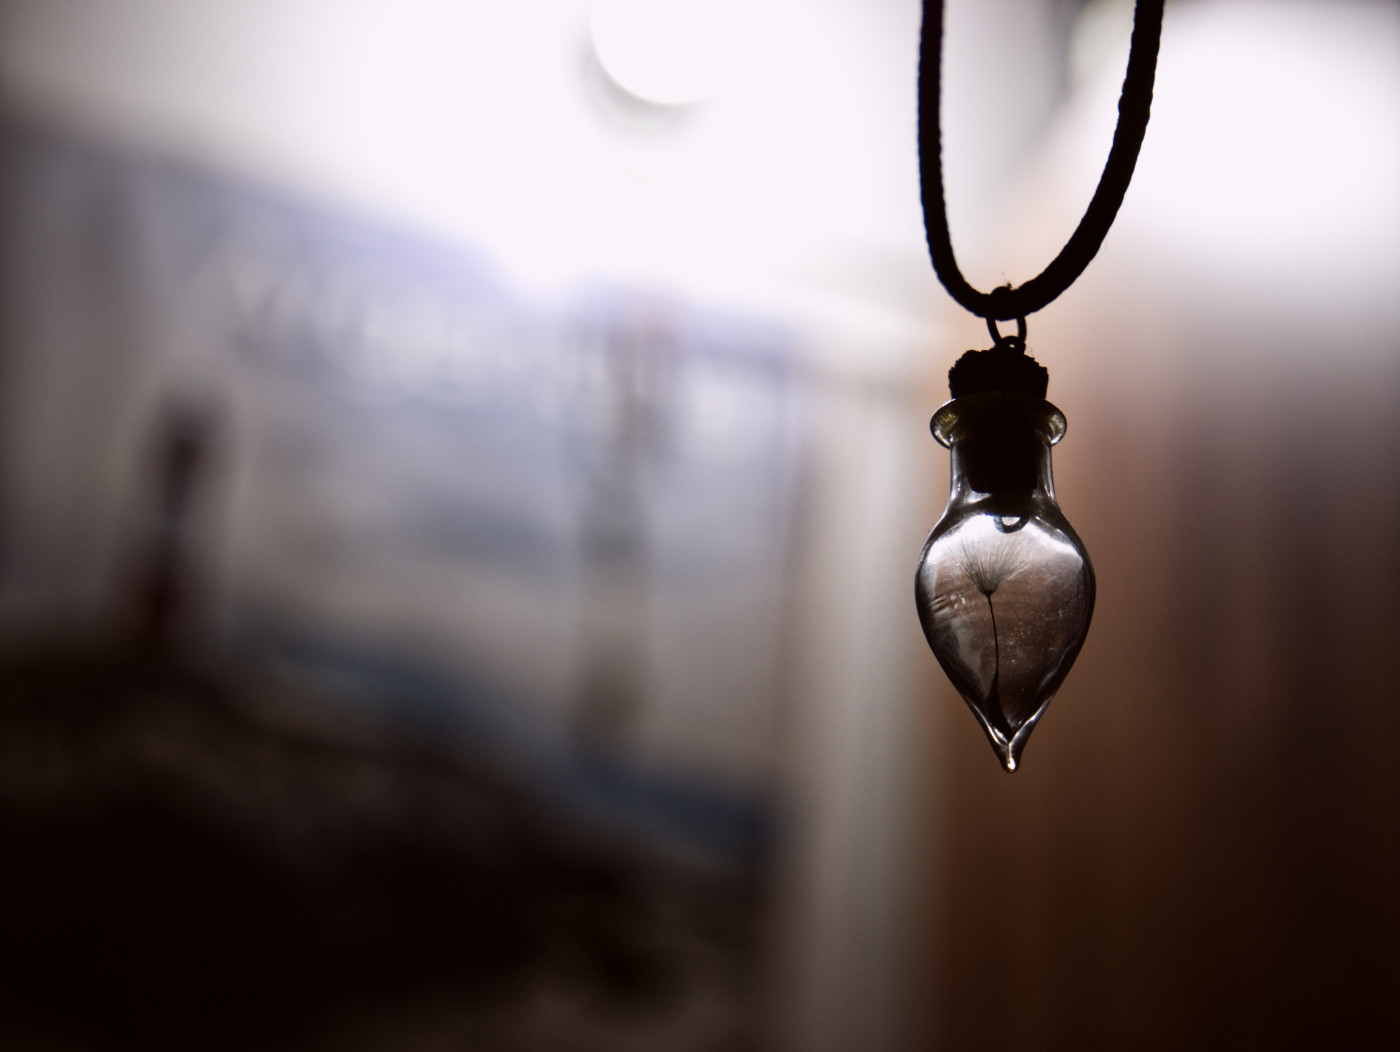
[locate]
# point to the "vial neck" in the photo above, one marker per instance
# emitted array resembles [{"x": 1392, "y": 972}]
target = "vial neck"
[{"x": 1004, "y": 457}]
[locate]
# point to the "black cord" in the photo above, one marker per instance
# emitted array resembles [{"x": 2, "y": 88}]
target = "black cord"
[{"x": 1135, "y": 104}]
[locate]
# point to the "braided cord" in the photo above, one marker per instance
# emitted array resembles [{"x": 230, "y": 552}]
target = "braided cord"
[{"x": 1134, "y": 106}]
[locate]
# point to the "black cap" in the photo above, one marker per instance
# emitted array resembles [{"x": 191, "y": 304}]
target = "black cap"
[{"x": 1004, "y": 367}]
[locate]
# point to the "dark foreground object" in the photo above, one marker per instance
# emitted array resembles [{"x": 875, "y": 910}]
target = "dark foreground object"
[{"x": 177, "y": 872}]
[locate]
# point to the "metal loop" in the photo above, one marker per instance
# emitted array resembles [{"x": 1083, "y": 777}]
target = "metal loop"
[{"x": 998, "y": 338}]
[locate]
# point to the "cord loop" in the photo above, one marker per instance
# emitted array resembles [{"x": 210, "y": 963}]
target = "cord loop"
[{"x": 1134, "y": 107}]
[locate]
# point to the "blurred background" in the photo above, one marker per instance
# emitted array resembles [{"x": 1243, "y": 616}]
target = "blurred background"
[{"x": 462, "y": 466}]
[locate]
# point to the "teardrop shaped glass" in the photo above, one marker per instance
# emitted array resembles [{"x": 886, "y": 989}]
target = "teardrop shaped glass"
[{"x": 1004, "y": 586}]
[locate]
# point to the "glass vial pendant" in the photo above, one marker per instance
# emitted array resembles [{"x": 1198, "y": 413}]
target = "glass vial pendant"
[{"x": 1004, "y": 586}]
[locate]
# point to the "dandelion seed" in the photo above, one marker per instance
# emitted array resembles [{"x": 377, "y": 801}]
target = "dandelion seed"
[{"x": 989, "y": 567}]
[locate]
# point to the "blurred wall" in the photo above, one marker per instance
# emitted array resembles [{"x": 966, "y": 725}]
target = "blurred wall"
[
  {"x": 680, "y": 540},
  {"x": 537, "y": 425}
]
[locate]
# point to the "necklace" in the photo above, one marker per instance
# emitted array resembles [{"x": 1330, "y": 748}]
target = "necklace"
[{"x": 1004, "y": 586}]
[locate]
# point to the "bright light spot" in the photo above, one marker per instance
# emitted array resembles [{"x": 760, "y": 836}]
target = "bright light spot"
[{"x": 670, "y": 52}]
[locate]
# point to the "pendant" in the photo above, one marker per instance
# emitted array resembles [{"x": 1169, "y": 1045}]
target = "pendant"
[{"x": 1004, "y": 586}]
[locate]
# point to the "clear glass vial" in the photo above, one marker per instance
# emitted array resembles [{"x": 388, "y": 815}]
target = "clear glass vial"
[{"x": 1004, "y": 586}]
